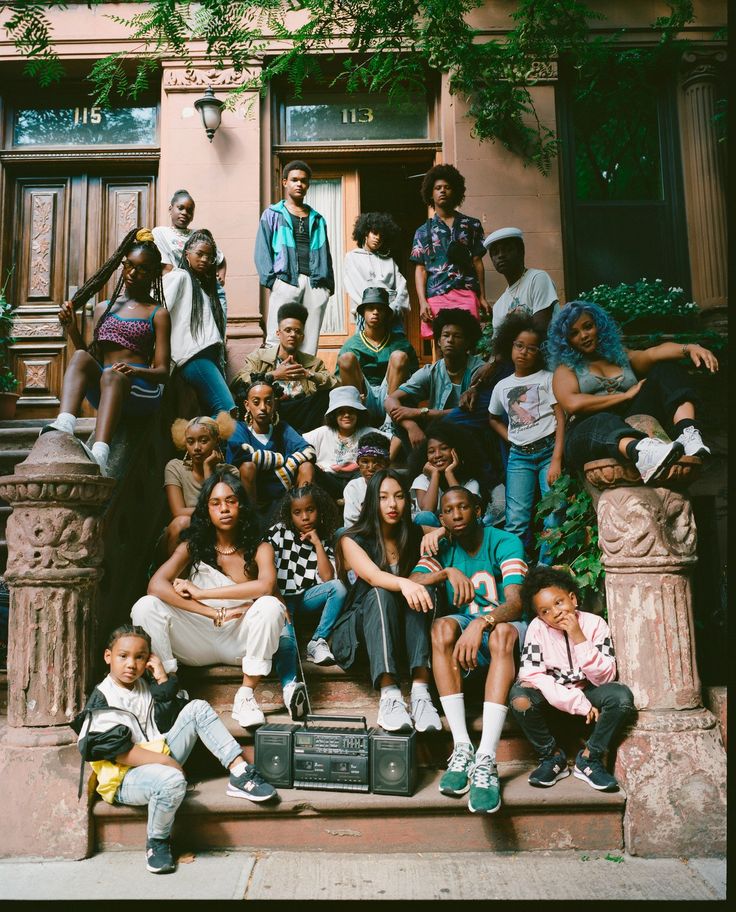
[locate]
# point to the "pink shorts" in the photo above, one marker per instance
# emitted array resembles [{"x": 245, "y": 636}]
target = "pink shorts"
[{"x": 462, "y": 299}]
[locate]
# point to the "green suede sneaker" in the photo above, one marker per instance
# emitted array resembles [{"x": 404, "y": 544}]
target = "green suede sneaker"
[
  {"x": 485, "y": 792},
  {"x": 455, "y": 780}
]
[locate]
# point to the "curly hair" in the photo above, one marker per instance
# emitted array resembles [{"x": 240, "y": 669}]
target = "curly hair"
[
  {"x": 381, "y": 223},
  {"x": 454, "y": 316},
  {"x": 511, "y": 329},
  {"x": 543, "y": 577},
  {"x": 448, "y": 173},
  {"x": 201, "y": 533},
  {"x": 297, "y": 165},
  {"x": 220, "y": 428},
  {"x": 292, "y": 310},
  {"x": 455, "y": 436},
  {"x": 559, "y": 351},
  {"x": 328, "y": 519},
  {"x": 241, "y": 389}
]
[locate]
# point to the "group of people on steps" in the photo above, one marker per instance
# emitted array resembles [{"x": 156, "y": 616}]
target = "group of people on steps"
[{"x": 385, "y": 507}]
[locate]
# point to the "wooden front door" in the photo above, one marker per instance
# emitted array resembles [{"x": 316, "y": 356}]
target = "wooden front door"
[{"x": 61, "y": 230}]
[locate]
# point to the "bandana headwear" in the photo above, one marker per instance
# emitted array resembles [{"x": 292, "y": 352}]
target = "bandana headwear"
[{"x": 372, "y": 451}]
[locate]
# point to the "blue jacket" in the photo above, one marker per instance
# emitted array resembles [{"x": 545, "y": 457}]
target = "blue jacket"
[{"x": 275, "y": 253}]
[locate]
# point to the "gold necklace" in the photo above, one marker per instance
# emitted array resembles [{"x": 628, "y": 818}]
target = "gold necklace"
[{"x": 225, "y": 551}]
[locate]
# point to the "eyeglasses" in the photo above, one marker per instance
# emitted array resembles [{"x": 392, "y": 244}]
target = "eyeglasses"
[{"x": 521, "y": 347}]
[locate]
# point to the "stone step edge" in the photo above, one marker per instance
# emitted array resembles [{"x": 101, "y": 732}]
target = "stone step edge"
[{"x": 208, "y": 797}]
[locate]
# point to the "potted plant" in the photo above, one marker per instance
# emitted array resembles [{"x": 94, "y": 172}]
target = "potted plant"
[{"x": 8, "y": 380}]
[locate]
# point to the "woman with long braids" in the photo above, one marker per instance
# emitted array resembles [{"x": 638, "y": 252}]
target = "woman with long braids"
[
  {"x": 123, "y": 370},
  {"x": 224, "y": 611},
  {"x": 198, "y": 323},
  {"x": 385, "y": 610}
]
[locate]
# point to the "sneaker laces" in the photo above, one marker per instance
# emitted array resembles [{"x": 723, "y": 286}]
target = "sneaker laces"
[
  {"x": 392, "y": 703},
  {"x": 458, "y": 760},
  {"x": 483, "y": 772}
]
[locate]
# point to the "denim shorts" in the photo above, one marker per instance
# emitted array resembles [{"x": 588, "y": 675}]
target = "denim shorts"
[
  {"x": 484, "y": 653},
  {"x": 374, "y": 397}
]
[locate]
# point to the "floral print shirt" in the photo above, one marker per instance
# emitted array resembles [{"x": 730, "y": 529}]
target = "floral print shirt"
[{"x": 431, "y": 241}]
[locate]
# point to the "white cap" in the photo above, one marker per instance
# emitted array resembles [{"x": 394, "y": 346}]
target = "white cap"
[{"x": 500, "y": 233}]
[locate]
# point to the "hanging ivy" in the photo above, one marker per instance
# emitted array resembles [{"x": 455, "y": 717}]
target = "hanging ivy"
[{"x": 387, "y": 46}]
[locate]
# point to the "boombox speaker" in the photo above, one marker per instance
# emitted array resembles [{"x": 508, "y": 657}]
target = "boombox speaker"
[
  {"x": 393, "y": 764},
  {"x": 274, "y": 754}
]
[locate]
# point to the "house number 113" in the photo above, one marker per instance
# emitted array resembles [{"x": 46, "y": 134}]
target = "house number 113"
[{"x": 357, "y": 115}]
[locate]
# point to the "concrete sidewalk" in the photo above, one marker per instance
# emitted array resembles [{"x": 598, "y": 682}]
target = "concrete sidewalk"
[{"x": 313, "y": 875}]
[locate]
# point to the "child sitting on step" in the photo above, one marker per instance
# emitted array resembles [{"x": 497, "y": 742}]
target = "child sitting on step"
[
  {"x": 372, "y": 456},
  {"x": 200, "y": 438},
  {"x": 568, "y": 663},
  {"x": 138, "y": 728},
  {"x": 305, "y": 572}
]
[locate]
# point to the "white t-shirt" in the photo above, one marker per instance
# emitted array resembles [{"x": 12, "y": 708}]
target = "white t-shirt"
[
  {"x": 178, "y": 293},
  {"x": 533, "y": 292},
  {"x": 170, "y": 242},
  {"x": 332, "y": 449},
  {"x": 528, "y": 402},
  {"x": 353, "y": 495},
  {"x": 421, "y": 483}
]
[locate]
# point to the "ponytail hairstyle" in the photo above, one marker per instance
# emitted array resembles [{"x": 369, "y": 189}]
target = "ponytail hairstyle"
[
  {"x": 242, "y": 387},
  {"x": 206, "y": 283},
  {"x": 327, "y": 515},
  {"x": 137, "y": 239},
  {"x": 220, "y": 428}
]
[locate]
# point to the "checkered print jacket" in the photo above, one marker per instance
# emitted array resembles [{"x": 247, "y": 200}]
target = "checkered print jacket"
[
  {"x": 296, "y": 561},
  {"x": 558, "y": 668}
]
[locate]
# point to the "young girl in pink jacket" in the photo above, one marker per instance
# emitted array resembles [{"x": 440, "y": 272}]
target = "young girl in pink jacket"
[{"x": 567, "y": 663}]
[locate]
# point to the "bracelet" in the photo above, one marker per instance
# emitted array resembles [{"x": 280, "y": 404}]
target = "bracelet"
[
  {"x": 219, "y": 619},
  {"x": 685, "y": 350}
]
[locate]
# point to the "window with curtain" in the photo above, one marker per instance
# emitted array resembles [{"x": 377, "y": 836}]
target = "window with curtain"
[{"x": 325, "y": 195}]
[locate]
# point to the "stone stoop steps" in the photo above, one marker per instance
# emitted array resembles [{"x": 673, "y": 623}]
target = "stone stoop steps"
[
  {"x": 16, "y": 440},
  {"x": 570, "y": 815}
]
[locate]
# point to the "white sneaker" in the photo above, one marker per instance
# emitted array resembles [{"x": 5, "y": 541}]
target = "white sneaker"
[
  {"x": 692, "y": 442},
  {"x": 319, "y": 652},
  {"x": 393, "y": 716},
  {"x": 425, "y": 716},
  {"x": 295, "y": 699},
  {"x": 654, "y": 457},
  {"x": 246, "y": 711}
]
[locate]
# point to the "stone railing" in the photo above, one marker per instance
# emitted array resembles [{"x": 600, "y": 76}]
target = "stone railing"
[
  {"x": 79, "y": 546},
  {"x": 672, "y": 762}
]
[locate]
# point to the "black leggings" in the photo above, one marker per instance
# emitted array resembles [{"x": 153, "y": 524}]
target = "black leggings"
[{"x": 666, "y": 387}]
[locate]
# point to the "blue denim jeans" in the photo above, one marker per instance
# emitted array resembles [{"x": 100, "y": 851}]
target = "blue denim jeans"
[
  {"x": 326, "y": 597},
  {"x": 427, "y": 518},
  {"x": 204, "y": 374},
  {"x": 163, "y": 788},
  {"x": 523, "y": 473}
]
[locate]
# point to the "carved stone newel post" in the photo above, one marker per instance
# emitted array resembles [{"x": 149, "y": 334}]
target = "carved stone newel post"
[
  {"x": 672, "y": 763},
  {"x": 55, "y": 552}
]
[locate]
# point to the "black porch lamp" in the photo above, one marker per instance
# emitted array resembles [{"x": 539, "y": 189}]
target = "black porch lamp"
[{"x": 211, "y": 110}]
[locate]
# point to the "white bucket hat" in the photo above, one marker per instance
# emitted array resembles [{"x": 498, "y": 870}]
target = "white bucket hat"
[{"x": 345, "y": 397}]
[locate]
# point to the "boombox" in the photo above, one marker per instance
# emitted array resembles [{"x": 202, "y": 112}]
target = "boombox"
[{"x": 338, "y": 758}]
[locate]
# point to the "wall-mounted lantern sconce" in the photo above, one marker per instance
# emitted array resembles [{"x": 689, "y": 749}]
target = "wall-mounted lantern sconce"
[{"x": 211, "y": 110}]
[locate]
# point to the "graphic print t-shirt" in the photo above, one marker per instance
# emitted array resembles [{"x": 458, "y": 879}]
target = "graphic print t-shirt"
[{"x": 528, "y": 403}]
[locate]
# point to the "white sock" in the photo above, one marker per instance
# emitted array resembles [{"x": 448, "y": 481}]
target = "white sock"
[
  {"x": 494, "y": 715},
  {"x": 65, "y": 421},
  {"x": 420, "y": 689},
  {"x": 392, "y": 690},
  {"x": 454, "y": 709},
  {"x": 101, "y": 452},
  {"x": 239, "y": 768}
]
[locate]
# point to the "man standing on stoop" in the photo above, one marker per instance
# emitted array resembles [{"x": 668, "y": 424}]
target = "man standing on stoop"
[{"x": 482, "y": 569}]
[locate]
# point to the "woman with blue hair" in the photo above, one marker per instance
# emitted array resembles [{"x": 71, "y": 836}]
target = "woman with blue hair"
[{"x": 599, "y": 384}]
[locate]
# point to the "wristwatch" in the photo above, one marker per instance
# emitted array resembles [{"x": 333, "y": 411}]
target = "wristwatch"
[
  {"x": 488, "y": 620},
  {"x": 424, "y": 410}
]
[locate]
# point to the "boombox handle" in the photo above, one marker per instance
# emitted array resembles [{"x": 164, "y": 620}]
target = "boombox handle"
[{"x": 322, "y": 718}]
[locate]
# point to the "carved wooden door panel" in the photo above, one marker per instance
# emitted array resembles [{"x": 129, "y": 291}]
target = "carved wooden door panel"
[{"x": 63, "y": 229}]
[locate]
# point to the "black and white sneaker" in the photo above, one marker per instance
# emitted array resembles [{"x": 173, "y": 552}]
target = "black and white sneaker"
[
  {"x": 654, "y": 457},
  {"x": 295, "y": 699},
  {"x": 250, "y": 785},
  {"x": 159, "y": 859},
  {"x": 550, "y": 770},
  {"x": 591, "y": 770}
]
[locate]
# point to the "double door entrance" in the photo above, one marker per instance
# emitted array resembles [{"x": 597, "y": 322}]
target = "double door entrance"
[{"x": 59, "y": 229}]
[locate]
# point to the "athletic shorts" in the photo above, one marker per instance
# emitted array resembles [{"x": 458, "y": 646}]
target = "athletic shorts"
[
  {"x": 484, "y": 653},
  {"x": 144, "y": 397}
]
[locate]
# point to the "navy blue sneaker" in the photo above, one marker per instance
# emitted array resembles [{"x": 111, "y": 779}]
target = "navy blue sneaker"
[
  {"x": 591, "y": 770},
  {"x": 550, "y": 770},
  {"x": 250, "y": 785},
  {"x": 159, "y": 859}
]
